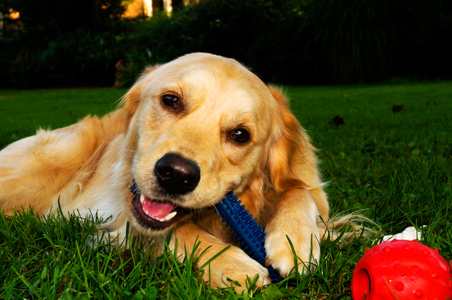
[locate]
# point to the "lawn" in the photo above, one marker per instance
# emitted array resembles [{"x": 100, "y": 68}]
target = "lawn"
[{"x": 385, "y": 150}]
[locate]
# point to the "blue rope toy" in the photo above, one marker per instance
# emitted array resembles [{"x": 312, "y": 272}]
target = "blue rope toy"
[{"x": 248, "y": 232}]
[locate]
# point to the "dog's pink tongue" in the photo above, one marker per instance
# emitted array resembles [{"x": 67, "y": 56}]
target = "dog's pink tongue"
[{"x": 157, "y": 209}]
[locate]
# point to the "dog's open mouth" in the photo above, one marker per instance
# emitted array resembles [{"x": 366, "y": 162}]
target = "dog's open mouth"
[{"x": 155, "y": 214}]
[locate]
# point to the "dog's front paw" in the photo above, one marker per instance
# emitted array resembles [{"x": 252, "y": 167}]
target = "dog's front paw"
[
  {"x": 233, "y": 268},
  {"x": 280, "y": 253}
]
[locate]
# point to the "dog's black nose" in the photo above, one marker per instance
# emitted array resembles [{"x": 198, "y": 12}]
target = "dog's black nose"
[{"x": 177, "y": 174}]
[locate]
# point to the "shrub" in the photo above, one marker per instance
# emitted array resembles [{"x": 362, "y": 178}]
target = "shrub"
[
  {"x": 423, "y": 47},
  {"x": 76, "y": 58},
  {"x": 282, "y": 41},
  {"x": 352, "y": 39},
  {"x": 254, "y": 32},
  {"x": 53, "y": 17}
]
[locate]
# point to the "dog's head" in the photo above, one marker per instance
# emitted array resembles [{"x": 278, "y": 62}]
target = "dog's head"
[{"x": 200, "y": 126}]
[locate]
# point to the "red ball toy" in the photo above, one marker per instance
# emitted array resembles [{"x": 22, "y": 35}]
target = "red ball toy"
[{"x": 402, "y": 270}]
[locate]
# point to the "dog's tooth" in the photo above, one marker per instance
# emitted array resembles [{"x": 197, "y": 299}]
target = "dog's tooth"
[
  {"x": 170, "y": 216},
  {"x": 167, "y": 217},
  {"x": 141, "y": 198}
]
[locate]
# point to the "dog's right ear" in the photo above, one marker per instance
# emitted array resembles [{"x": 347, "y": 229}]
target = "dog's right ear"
[
  {"x": 131, "y": 100},
  {"x": 291, "y": 161}
]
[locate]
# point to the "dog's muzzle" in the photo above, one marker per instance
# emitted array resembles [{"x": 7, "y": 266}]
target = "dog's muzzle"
[{"x": 155, "y": 215}]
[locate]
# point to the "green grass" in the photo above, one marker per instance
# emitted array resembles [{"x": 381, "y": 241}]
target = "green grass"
[
  {"x": 22, "y": 112},
  {"x": 395, "y": 166}
]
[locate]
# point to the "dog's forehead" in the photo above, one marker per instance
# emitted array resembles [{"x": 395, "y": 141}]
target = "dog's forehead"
[{"x": 213, "y": 79}]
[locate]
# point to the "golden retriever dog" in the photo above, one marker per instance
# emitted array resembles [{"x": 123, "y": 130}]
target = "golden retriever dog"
[{"x": 183, "y": 136}]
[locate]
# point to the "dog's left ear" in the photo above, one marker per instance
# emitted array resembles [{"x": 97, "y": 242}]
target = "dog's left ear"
[
  {"x": 291, "y": 159},
  {"x": 132, "y": 99}
]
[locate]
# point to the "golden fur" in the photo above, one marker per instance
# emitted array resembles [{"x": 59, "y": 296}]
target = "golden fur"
[{"x": 90, "y": 166}]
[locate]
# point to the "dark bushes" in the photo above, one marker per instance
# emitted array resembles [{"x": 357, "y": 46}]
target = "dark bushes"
[
  {"x": 53, "y": 17},
  {"x": 59, "y": 43},
  {"x": 423, "y": 48},
  {"x": 76, "y": 58},
  {"x": 353, "y": 38},
  {"x": 283, "y": 41}
]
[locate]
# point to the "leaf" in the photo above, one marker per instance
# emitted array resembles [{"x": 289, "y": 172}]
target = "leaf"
[
  {"x": 272, "y": 292},
  {"x": 415, "y": 152}
]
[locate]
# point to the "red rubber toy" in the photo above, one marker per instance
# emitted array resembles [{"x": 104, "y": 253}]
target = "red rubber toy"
[{"x": 402, "y": 270}]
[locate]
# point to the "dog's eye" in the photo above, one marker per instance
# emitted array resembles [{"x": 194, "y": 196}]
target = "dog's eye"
[
  {"x": 171, "y": 101},
  {"x": 240, "y": 135}
]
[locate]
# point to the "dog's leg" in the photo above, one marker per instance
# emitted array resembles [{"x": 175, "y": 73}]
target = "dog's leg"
[
  {"x": 231, "y": 264},
  {"x": 295, "y": 219},
  {"x": 34, "y": 170},
  {"x": 25, "y": 176}
]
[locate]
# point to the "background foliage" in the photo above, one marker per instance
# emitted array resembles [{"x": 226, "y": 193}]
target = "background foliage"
[{"x": 283, "y": 41}]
